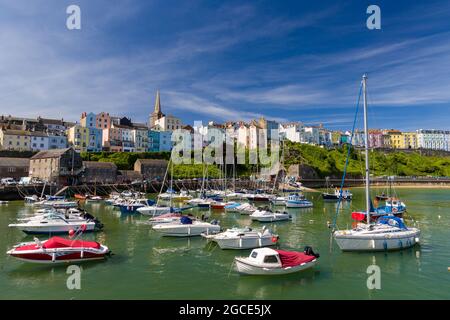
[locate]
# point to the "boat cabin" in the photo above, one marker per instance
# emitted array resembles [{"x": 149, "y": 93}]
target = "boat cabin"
[{"x": 265, "y": 256}]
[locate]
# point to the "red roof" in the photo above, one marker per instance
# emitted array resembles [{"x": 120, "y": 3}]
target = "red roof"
[{"x": 293, "y": 258}]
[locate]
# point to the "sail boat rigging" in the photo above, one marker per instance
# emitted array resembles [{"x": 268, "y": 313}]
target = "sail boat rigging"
[{"x": 388, "y": 232}]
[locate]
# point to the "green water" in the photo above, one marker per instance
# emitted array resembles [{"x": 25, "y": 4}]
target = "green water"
[{"x": 148, "y": 266}]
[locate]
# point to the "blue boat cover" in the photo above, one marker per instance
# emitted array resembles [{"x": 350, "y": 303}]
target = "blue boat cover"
[
  {"x": 393, "y": 221},
  {"x": 185, "y": 220}
]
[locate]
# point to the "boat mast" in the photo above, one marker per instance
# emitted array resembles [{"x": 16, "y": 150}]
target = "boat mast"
[{"x": 366, "y": 147}]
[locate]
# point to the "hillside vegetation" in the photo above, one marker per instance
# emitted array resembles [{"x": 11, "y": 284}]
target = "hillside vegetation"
[{"x": 330, "y": 162}]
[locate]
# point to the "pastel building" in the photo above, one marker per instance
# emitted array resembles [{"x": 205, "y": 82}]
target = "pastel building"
[
  {"x": 409, "y": 140},
  {"x": 140, "y": 138},
  {"x": 103, "y": 120},
  {"x": 19, "y": 140},
  {"x": 57, "y": 141},
  {"x": 153, "y": 140},
  {"x": 85, "y": 139},
  {"x": 165, "y": 141},
  {"x": 39, "y": 141},
  {"x": 112, "y": 139},
  {"x": 433, "y": 139}
]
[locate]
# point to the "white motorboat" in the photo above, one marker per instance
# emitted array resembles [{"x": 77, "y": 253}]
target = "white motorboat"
[
  {"x": 59, "y": 250},
  {"x": 3, "y": 202},
  {"x": 267, "y": 261},
  {"x": 245, "y": 208},
  {"x": 58, "y": 223},
  {"x": 267, "y": 215},
  {"x": 153, "y": 210},
  {"x": 244, "y": 238},
  {"x": 186, "y": 227},
  {"x": 296, "y": 201},
  {"x": 388, "y": 232}
]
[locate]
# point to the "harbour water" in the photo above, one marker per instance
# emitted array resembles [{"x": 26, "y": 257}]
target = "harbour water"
[{"x": 148, "y": 266}]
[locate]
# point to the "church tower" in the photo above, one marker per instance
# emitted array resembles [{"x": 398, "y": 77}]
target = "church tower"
[{"x": 156, "y": 114}]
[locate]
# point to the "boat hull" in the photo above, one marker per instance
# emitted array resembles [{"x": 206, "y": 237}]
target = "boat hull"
[
  {"x": 244, "y": 267},
  {"x": 58, "y": 256},
  {"x": 168, "y": 230},
  {"x": 57, "y": 229},
  {"x": 394, "y": 241},
  {"x": 245, "y": 242},
  {"x": 298, "y": 204}
]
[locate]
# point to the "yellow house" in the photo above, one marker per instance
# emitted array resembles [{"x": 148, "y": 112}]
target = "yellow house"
[
  {"x": 19, "y": 140},
  {"x": 409, "y": 140},
  {"x": 78, "y": 137},
  {"x": 396, "y": 139}
]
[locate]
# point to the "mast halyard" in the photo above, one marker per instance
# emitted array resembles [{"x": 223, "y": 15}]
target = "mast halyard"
[{"x": 366, "y": 147}]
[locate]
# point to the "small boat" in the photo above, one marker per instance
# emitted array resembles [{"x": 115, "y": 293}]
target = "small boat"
[
  {"x": 244, "y": 238},
  {"x": 154, "y": 210},
  {"x": 58, "y": 223},
  {"x": 131, "y": 206},
  {"x": 186, "y": 227},
  {"x": 3, "y": 202},
  {"x": 57, "y": 204},
  {"x": 232, "y": 207},
  {"x": 245, "y": 208},
  {"x": 296, "y": 201},
  {"x": 59, "y": 250},
  {"x": 31, "y": 199},
  {"x": 267, "y": 261},
  {"x": 346, "y": 195},
  {"x": 165, "y": 218},
  {"x": 267, "y": 215},
  {"x": 220, "y": 205}
]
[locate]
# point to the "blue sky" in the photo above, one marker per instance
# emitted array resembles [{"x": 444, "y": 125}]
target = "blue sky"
[{"x": 228, "y": 60}]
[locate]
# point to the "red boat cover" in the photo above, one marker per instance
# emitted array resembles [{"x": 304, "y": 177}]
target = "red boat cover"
[
  {"x": 359, "y": 216},
  {"x": 58, "y": 242},
  {"x": 292, "y": 258}
]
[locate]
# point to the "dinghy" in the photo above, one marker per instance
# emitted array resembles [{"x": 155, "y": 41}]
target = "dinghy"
[{"x": 266, "y": 261}]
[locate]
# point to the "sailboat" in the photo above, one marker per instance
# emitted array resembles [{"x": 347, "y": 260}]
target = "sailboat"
[{"x": 388, "y": 232}]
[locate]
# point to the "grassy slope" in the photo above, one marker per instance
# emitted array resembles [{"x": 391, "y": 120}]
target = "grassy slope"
[{"x": 328, "y": 162}]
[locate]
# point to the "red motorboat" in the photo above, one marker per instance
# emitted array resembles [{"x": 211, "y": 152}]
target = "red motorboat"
[{"x": 59, "y": 250}]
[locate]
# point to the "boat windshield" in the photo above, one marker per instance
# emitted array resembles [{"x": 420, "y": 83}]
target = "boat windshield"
[{"x": 270, "y": 259}]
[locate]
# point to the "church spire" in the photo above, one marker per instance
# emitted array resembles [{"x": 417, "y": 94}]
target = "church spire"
[
  {"x": 157, "y": 103},
  {"x": 157, "y": 113}
]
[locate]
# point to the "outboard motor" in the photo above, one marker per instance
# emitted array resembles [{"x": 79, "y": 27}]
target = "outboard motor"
[{"x": 309, "y": 252}]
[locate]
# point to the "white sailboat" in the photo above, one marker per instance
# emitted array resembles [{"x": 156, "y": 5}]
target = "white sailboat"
[{"x": 388, "y": 233}]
